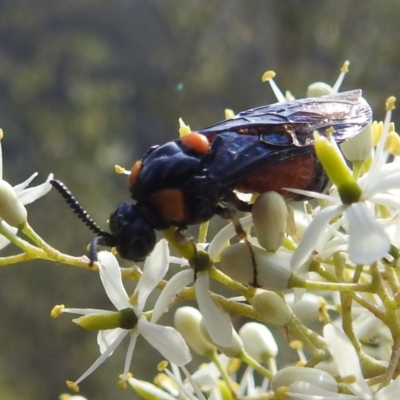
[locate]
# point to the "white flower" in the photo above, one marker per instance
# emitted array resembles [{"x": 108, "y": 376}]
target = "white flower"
[
  {"x": 165, "y": 339},
  {"x": 216, "y": 320},
  {"x": 347, "y": 363},
  {"x": 17, "y": 197},
  {"x": 365, "y": 238}
]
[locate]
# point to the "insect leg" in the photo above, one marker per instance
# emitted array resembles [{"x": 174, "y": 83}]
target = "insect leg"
[{"x": 230, "y": 213}]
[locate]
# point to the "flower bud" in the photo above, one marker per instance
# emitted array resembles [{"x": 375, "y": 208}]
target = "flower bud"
[
  {"x": 318, "y": 89},
  {"x": 125, "y": 319},
  {"x": 308, "y": 308},
  {"x": 258, "y": 341},
  {"x": 187, "y": 322},
  {"x": 269, "y": 218},
  {"x": 11, "y": 209},
  {"x": 273, "y": 271},
  {"x": 289, "y": 375},
  {"x": 359, "y": 147},
  {"x": 271, "y": 308},
  {"x": 233, "y": 351}
]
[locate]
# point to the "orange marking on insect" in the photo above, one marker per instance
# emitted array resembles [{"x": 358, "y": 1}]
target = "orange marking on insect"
[
  {"x": 295, "y": 173},
  {"x": 133, "y": 177},
  {"x": 197, "y": 142},
  {"x": 170, "y": 204}
]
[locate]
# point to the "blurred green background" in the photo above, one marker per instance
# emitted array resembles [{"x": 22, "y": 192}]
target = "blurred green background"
[{"x": 85, "y": 85}]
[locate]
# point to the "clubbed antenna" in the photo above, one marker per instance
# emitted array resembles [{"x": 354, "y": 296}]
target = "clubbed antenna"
[{"x": 78, "y": 209}]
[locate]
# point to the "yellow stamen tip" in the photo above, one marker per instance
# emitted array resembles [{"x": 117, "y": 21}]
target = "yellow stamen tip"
[
  {"x": 57, "y": 310},
  {"x": 229, "y": 113},
  {"x": 392, "y": 144},
  {"x": 391, "y": 103},
  {"x": 119, "y": 169},
  {"x": 122, "y": 385},
  {"x": 162, "y": 365},
  {"x": 124, "y": 377},
  {"x": 330, "y": 131},
  {"x": 289, "y": 96},
  {"x": 268, "y": 75},
  {"x": 234, "y": 365},
  {"x": 1, "y": 134},
  {"x": 183, "y": 128},
  {"x": 377, "y": 128},
  {"x": 391, "y": 127},
  {"x": 72, "y": 386},
  {"x": 349, "y": 379},
  {"x": 345, "y": 67},
  {"x": 134, "y": 299},
  {"x": 296, "y": 344},
  {"x": 281, "y": 392}
]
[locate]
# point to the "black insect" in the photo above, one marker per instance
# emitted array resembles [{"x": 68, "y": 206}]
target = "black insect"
[{"x": 190, "y": 179}]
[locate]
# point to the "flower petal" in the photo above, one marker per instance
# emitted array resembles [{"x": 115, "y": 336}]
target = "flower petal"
[
  {"x": 368, "y": 241},
  {"x": 155, "y": 268},
  {"x": 110, "y": 275},
  {"x": 346, "y": 360},
  {"x": 168, "y": 341},
  {"x": 311, "y": 235},
  {"x": 216, "y": 320},
  {"x": 389, "y": 392},
  {"x": 28, "y": 196},
  {"x": 176, "y": 284},
  {"x": 308, "y": 391},
  {"x": 3, "y": 240},
  {"x": 106, "y": 338},
  {"x": 21, "y": 186},
  {"x": 103, "y": 357},
  {"x": 153, "y": 391},
  {"x": 225, "y": 234},
  {"x": 129, "y": 353}
]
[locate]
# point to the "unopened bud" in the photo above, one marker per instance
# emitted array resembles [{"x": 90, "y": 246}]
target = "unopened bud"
[
  {"x": 270, "y": 218},
  {"x": 187, "y": 322},
  {"x": 359, "y": 147},
  {"x": 271, "y": 308},
  {"x": 11, "y": 208},
  {"x": 318, "y": 89},
  {"x": 235, "y": 350},
  {"x": 273, "y": 271},
  {"x": 286, "y": 376},
  {"x": 258, "y": 341}
]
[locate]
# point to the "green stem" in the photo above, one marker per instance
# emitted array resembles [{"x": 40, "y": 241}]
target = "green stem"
[
  {"x": 224, "y": 373},
  {"x": 254, "y": 364},
  {"x": 394, "y": 360},
  {"x": 330, "y": 286}
]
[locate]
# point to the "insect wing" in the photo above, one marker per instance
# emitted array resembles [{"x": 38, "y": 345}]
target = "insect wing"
[
  {"x": 293, "y": 122},
  {"x": 264, "y": 136}
]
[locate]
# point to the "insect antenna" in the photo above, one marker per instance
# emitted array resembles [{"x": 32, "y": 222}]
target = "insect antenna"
[{"x": 79, "y": 210}]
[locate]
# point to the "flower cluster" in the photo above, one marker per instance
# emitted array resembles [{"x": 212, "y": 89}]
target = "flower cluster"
[{"x": 330, "y": 262}]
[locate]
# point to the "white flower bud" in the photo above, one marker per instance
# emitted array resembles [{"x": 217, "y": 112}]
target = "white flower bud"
[
  {"x": 359, "y": 147},
  {"x": 235, "y": 350},
  {"x": 273, "y": 271},
  {"x": 270, "y": 218},
  {"x": 11, "y": 209},
  {"x": 271, "y": 308},
  {"x": 289, "y": 375},
  {"x": 318, "y": 89},
  {"x": 307, "y": 309},
  {"x": 187, "y": 322},
  {"x": 258, "y": 341}
]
